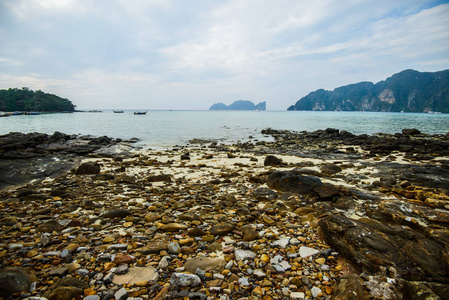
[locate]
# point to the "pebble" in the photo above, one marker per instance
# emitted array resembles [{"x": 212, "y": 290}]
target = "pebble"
[{"x": 182, "y": 279}]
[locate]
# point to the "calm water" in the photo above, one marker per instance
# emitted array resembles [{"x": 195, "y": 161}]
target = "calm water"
[{"x": 169, "y": 128}]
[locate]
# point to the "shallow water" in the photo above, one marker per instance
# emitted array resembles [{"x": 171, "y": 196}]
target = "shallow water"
[{"x": 169, "y": 128}]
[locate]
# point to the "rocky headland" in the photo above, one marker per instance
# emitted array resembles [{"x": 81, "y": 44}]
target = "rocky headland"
[{"x": 309, "y": 215}]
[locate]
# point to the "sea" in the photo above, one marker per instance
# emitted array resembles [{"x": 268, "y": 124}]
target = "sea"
[{"x": 160, "y": 129}]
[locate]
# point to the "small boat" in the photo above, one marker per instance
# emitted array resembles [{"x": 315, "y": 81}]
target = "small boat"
[
  {"x": 118, "y": 111},
  {"x": 140, "y": 112},
  {"x": 4, "y": 114}
]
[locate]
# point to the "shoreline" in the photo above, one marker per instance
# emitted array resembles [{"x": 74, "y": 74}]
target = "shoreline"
[{"x": 237, "y": 213}]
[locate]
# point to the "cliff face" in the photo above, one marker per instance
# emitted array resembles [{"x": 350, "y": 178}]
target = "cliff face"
[
  {"x": 408, "y": 91},
  {"x": 239, "y": 105}
]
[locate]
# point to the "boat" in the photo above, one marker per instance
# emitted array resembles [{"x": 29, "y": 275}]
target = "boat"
[
  {"x": 118, "y": 111},
  {"x": 3, "y": 114},
  {"x": 140, "y": 112}
]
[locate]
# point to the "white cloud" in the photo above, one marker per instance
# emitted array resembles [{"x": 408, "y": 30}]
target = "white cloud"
[{"x": 190, "y": 54}]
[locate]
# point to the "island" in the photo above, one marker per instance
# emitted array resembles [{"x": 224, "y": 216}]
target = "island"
[
  {"x": 26, "y": 100},
  {"x": 407, "y": 91},
  {"x": 240, "y": 105}
]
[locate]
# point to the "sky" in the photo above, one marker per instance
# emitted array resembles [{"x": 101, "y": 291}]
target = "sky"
[{"x": 177, "y": 54}]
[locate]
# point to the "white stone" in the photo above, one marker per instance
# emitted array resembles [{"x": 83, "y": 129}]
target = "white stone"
[
  {"x": 137, "y": 274},
  {"x": 285, "y": 265},
  {"x": 307, "y": 251},
  {"x": 297, "y": 296},
  {"x": 244, "y": 254},
  {"x": 281, "y": 243},
  {"x": 244, "y": 281},
  {"x": 316, "y": 291}
]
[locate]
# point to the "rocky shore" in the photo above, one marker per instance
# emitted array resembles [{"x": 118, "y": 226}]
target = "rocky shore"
[{"x": 310, "y": 215}]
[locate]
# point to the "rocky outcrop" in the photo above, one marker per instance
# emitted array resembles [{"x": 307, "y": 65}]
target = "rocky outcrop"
[
  {"x": 36, "y": 156},
  {"x": 240, "y": 105}
]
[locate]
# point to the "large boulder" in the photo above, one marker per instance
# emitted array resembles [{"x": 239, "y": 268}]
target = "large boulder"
[
  {"x": 293, "y": 183},
  {"x": 372, "y": 245}
]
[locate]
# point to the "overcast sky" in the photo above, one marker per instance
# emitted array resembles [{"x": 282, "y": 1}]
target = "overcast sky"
[{"x": 163, "y": 54}]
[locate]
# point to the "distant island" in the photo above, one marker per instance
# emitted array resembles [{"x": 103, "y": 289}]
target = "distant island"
[
  {"x": 407, "y": 91},
  {"x": 240, "y": 105},
  {"x": 24, "y": 99}
]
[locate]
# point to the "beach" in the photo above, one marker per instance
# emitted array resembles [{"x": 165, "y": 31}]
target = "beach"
[{"x": 311, "y": 215}]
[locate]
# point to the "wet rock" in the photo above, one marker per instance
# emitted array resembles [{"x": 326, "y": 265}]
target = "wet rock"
[
  {"x": 326, "y": 192},
  {"x": 90, "y": 168},
  {"x": 349, "y": 287},
  {"x": 412, "y": 131},
  {"x": 15, "y": 280},
  {"x": 50, "y": 226},
  {"x": 293, "y": 183},
  {"x": 371, "y": 245}
]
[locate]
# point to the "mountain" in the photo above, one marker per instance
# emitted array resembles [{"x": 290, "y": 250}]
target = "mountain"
[
  {"x": 239, "y": 105},
  {"x": 27, "y": 100},
  {"x": 408, "y": 91}
]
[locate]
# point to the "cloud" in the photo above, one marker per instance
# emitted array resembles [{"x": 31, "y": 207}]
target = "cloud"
[{"x": 172, "y": 54}]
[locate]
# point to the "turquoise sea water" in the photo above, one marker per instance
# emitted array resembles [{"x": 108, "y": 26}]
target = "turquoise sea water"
[{"x": 169, "y": 128}]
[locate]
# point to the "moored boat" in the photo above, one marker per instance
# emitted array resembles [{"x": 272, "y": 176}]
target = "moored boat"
[
  {"x": 118, "y": 111},
  {"x": 140, "y": 112}
]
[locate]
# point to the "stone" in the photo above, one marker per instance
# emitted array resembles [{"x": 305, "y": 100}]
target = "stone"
[
  {"x": 205, "y": 263},
  {"x": 330, "y": 169},
  {"x": 316, "y": 291},
  {"x": 154, "y": 247},
  {"x": 62, "y": 271},
  {"x": 222, "y": 228},
  {"x": 121, "y": 294},
  {"x": 326, "y": 192},
  {"x": 244, "y": 254},
  {"x": 281, "y": 243},
  {"x": 349, "y": 287},
  {"x": 121, "y": 258},
  {"x": 15, "y": 280},
  {"x": 160, "y": 177},
  {"x": 136, "y": 274},
  {"x": 307, "y": 251},
  {"x": 174, "y": 248},
  {"x": 298, "y": 296},
  {"x": 172, "y": 227},
  {"x": 88, "y": 168},
  {"x": 264, "y": 194},
  {"x": 50, "y": 226},
  {"x": 250, "y": 233},
  {"x": 271, "y": 160},
  {"x": 183, "y": 279},
  {"x": 293, "y": 183},
  {"x": 117, "y": 213}
]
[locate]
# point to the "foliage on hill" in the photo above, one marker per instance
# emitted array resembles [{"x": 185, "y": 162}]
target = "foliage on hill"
[
  {"x": 240, "y": 105},
  {"x": 408, "y": 91},
  {"x": 27, "y": 100}
]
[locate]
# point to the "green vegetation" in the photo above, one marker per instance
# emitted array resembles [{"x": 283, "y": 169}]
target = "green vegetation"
[
  {"x": 239, "y": 105},
  {"x": 27, "y": 100},
  {"x": 408, "y": 91}
]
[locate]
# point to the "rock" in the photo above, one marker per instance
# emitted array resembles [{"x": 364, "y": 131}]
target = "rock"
[
  {"x": 160, "y": 177},
  {"x": 326, "y": 192},
  {"x": 154, "y": 247},
  {"x": 330, "y": 169},
  {"x": 298, "y": 296},
  {"x": 222, "y": 228},
  {"x": 272, "y": 160},
  {"x": 307, "y": 251},
  {"x": 195, "y": 232},
  {"x": 293, "y": 183},
  {"x": 66, "y": 288},
  {"x": 419, "y": 290},
  {"x": 244, "y": 254},
  {"x": 316, "y": 291},
  {"x": 117, "y": 213},
  {"x": 371, "y": 245},
  {"x": 135, "y": 275},
  {"x": 15, "y": 280},
  {"x": 121, "y": 294},
  {"x": 205, "y": 263},
  {"x": 182, "y": 279},
  {"x": 249, "y": 233},
  {"x": 88, "y": 168},
  {"x": 50, "y": 226},
  {"x": 122, "y": 258},
  {"x": 412, "y": 131},
  {"x": 171, "y": 227},
  {"x": 264, "y": 194},
  {"x": 349, "y": 287},
  {"x": 174, "y": 248},
  {"x": 62, "y": 271}
]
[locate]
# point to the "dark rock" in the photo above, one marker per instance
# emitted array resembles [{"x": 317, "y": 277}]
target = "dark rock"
[
  {"x": 412, "y": 131},
  {"x": 264, "y": 194},
  {"x": 88, "y": 168},
  {"x": 50, "y": 226},
  {"x": 66, "y": 288},
  {"x": 371, "y": 245},
  {"x": 185, "y": 156},
  {"x": 15, "y": 280},
  {"x": 117, "y": 213},
  {"x": 222, "y": 228},
  {"x": 349, "y": 287},
  {"x": 330, "y": 169},
  {"x": 418, "y": 290},
  {"x": 272, "y": 160},
  {"x": 326, "y": 192},
  {"x": 249, "y": 233},
  {"x": 161, "y": 177},
  {"x": 292, "y": 182}
]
